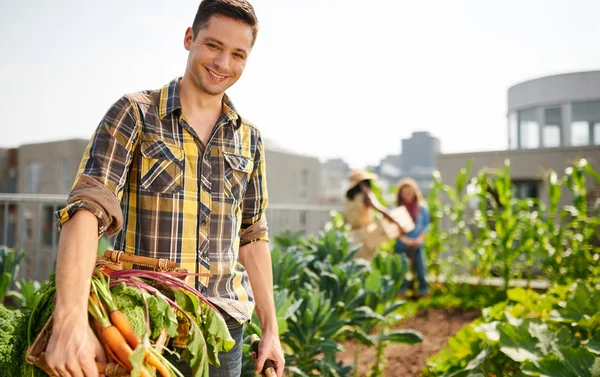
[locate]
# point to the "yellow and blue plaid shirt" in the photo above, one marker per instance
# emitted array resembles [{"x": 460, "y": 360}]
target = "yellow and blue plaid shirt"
[{"x": 150, "y": 180}]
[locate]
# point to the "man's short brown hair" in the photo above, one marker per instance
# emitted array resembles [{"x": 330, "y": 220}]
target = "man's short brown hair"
[{"x": 240, "y": 10}]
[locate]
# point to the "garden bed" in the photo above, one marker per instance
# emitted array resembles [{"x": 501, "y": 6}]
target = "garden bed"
[{"x": 436, "y": 326}]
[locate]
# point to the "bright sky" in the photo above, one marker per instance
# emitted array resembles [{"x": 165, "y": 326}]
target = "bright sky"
[{"x": 327, "y": 78}]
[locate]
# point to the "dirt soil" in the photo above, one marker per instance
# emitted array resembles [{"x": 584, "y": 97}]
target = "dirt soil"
[{"x": 436, "y": 326}]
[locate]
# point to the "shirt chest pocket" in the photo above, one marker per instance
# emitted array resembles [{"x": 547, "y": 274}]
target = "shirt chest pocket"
[
  {"x": 236, "y": 173},
  {"x": 161, "y": 168}
]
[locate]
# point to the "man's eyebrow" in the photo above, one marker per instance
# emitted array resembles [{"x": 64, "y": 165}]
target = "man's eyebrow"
[{"x": 214, "y": 40}]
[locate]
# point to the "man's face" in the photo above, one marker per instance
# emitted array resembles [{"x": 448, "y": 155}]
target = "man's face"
[{"x": 217, "y": 56}]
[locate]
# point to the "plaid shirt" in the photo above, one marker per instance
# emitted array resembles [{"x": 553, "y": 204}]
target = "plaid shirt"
[{"x": 150, "y": 180}]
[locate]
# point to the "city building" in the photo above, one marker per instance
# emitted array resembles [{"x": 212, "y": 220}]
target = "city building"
[
  {"x": 334, "y": 181},
  {"x": 419, "y": 158},
  {"x": 552, "y": 123}
]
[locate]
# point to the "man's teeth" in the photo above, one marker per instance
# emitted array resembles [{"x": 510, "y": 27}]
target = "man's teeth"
[{"x": 216, "y": 76}]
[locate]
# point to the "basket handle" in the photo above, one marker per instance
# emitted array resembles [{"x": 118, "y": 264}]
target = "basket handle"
[{"x": 160, "y": 264}]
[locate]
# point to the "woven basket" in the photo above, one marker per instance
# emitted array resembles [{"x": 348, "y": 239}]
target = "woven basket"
[{"x": 113, "y": 260}]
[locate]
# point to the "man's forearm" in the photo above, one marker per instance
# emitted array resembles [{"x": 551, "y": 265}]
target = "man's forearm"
[
  {"x": 256, "y": 259},
  {"x": 76, "y": 258}
]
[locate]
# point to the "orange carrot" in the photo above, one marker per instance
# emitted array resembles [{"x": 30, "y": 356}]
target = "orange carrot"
[
  {"x": 116, "y": 342},
  {"x": 121, "y": 322},
  {"x": 109, "y": 353}
]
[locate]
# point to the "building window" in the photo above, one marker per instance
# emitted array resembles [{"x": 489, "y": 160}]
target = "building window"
[
  {"x": 580, "y": 133},
  {"x": 596, "y": 133},
  {"x": 584, "y": 115},
  {"x": 552, "y": 128},
  {"x": 33, "y": 178},
  {"x": 304, "y": 184},
  {"x": 526, "y": 189},
  {"x": 551, "y": 136},
  {"x": 529, "y": 129},
  {"x": 513, "y": 131}
]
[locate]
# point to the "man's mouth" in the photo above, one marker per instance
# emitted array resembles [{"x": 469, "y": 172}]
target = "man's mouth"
[{"x": 215, "y": 76}]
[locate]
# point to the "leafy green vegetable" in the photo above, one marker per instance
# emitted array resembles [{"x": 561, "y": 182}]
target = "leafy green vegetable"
[{"x": 529, "y": 334}]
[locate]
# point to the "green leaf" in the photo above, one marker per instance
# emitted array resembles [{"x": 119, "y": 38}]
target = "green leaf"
[
  {"x": 581, "y": 303},
  {"x": 570, "y": 362},
  {"x": 196, "y": 353},
  {"x": 215, "y": 327},
  {"x": 480, "y": 359},
  {"x": 358, "y": 335},
  {"x": 373, "y": 282},
  {"x": 137, "y": 359},
  {"x": 594, "y": 343},
  {"x": 517, "y": 343},
  {"x": 5, "y": 280},
  {"x": 400, "y": 336},
  {"x": 490, "y": 330},
  {"x": 547, "y": 341},
  {"x": 172, "y": 323}
]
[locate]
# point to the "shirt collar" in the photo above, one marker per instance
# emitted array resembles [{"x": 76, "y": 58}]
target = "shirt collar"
[{"x": 169, "y": 102}]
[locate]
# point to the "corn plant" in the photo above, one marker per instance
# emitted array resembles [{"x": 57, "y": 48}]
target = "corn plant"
[{"x": 436, "y": 246}]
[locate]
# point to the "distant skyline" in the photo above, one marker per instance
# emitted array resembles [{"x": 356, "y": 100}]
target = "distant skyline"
[{"x": 327, "y": 78}]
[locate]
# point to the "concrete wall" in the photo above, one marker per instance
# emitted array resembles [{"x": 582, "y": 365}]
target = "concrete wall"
[
  {"x": 528, "y": 164},
  {"x": 292, "y": 178},
  {"x": 53, "y": 178}
]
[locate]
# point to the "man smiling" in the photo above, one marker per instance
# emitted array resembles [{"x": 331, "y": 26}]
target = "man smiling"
[{"x": 175, "y": 173}]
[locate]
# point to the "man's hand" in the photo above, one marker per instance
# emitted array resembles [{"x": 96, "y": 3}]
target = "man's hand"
[
  {"x": 73, "y": 348},
  {"x": 269, "y": 348}
]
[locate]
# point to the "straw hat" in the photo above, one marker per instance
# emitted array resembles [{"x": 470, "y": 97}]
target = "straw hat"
[{"x": 357, "y": 176}]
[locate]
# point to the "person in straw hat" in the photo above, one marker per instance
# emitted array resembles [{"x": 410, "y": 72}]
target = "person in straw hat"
[{"x": 360, "y": 208}]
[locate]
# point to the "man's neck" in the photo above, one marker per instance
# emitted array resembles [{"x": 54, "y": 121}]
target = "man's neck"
[
  {"x": 201, "y": 110},
  {"x": 193, "y": 99}
]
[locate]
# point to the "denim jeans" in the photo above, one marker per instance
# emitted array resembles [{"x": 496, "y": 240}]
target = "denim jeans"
[
  {"x": 231, "y": 362},
  {"x": 419, "y": 266}
]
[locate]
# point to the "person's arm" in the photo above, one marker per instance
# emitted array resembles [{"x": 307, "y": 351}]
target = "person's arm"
[
  {"x": 92, "y": 209},
  {"x": 73, "y": 349},
  {"x": 372, "y": 201},
  {"x": 420, "y": 239},
  {"x": 255, "y": 256},
  {"x": 256, "y": 259}
]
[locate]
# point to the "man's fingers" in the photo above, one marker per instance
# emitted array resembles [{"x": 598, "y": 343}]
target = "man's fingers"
[
  {"x": 60, "y": 371},
  {"x": 280, "y": 365},
  {"x": 99, "y": 350},
  {"x": 259, "y": 364},
  {"x": 89, "y": 367},
  {"x": 74, "y": 370}
]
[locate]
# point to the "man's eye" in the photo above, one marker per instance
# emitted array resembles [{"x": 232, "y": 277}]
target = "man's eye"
[
  {"x": 239, "y": 56},
  {"x": 212, "y": 46}
]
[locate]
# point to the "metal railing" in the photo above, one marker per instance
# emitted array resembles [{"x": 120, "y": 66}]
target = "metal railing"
[{"x": 27, "y": 223}]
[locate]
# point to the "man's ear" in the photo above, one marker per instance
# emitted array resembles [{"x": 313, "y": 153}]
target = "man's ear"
[{"x": 188, "y": 39}]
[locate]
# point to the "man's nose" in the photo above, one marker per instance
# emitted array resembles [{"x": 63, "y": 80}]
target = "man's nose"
[{"x": 222, "y": 61}]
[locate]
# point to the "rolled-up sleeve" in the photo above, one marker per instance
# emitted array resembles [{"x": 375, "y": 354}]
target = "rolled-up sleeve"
[
  {"x": 104, "y": 167},
  {"x": 254, "y": 222}
]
